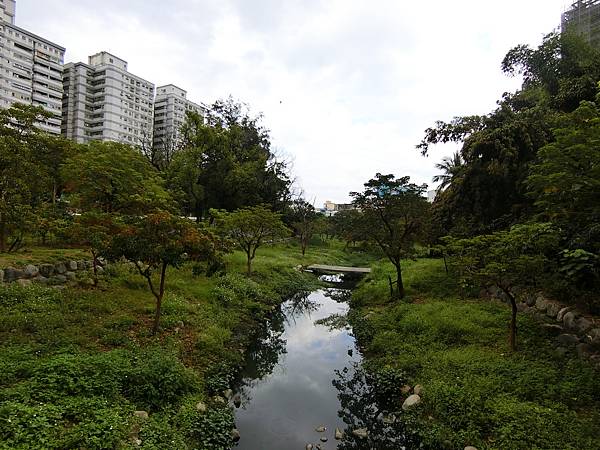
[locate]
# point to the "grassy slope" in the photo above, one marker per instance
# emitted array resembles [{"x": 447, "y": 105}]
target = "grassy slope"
[
  {"x": 77, "y": 363},
  {"x": 40, "y": 255},
  {"x": 476, "y": 391}
]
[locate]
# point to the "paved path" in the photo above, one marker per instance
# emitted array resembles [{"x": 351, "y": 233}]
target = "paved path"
[{"x": 338, "y": 269}]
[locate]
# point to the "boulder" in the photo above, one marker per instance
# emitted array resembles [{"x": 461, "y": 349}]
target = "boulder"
[
  {"x": 23, "y": 282},
  {"x": 411, "y": 401},
  {"x": 141, "y": 414},
  {"x": 81, "y": 265},
  {"x": 200, "y": 407},
  {"x": 60, "y": 268},
  {"x": 58, "y": 279},
  {"x": 40, "y": 280},
  {"x": 418, "y": 390},
  {"x": 237, "y": 400},
  {"x": 552, "y": 310},
  {"x": 46, "y": 270},
  {"x": 72, "y": 276},
  {"x": 361, "y": 433},
  {"x": 562, "y": 312},
  {"x": 553, "y": 328},
  {"x": 323, "y": 439},
  {"x": 567, "y": 339},
  {"x": 582, "y": 325},
  {"x": 541, "y": 304},
  {"x": 72, "y": 266},
  {"x": 309, "y": 447},
  {"x": 31, "y": 271},
  {"x": 11, "y": 274},
  {"x": 584, "y": 349},
  {"x": 235, "y": 435},
  {"x": 339, "y": 435},
  {"x": 593, "y": 336},
  {"x": 405, "y": 389},
  {"x": 228, "y": 393},
  {"x": 569, "y": 320},
  {"x": 321, "y": 429}
]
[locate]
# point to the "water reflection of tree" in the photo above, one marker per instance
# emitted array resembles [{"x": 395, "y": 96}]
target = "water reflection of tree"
[
  {"x": 338, "y": 295},
  {"x": 299, "y": 305},
  {"x": 363, "y": 407}
]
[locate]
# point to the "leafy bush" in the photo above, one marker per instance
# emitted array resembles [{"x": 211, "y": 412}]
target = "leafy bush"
[{"x": 210, "y": 430}]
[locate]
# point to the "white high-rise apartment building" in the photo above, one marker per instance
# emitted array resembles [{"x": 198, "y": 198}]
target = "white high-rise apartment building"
[
  {"x": 7, "y": 11},
  {"x": 170, "y": 109},
  {"x": 30, "y": 69},
  {"x": 103, "y": 101},
  {"x": 583, "y": 18}
]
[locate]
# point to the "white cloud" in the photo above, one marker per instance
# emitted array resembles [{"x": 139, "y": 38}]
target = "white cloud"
[{"x": 347, "y": 86}]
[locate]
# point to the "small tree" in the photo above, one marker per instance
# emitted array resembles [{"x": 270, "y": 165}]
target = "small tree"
[
  {"x": 393, "y": 212},
  {"x": 509, "y": 260},
  {"x": 303, "y": 218},
  {"x": 250, "y": 228},
  {"x": 157, "y": 241}
]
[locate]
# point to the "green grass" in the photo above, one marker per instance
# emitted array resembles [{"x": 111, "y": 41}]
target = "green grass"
[
  {"x": 476, "y": 391},
  {"x": 77, "y": 363},
  {"x": 40, "y": 255}
]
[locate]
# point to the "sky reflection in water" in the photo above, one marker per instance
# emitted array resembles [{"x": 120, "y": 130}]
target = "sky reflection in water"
[{"x": 282, "y": 410}]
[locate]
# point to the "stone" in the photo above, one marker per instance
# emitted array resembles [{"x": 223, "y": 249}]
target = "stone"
[
  {"x": 141, "y": 414},
  {"x": 339, "y": 435},
  {"x": 23, "y": 282},
  {"x": 58, "y": 279},
  {"x": 72, "y": 266},
  {"x": 593, "y": 336},
  {"x": 360, "y": 433},
  {"x": 137, "y": 442},
  {"x": 11, "y": 274},
  {"x": 470, "y": 447},
  {"x": 40, "y": 280},
  {"x": 99, "y": 269},
  {"x": 562, "y": 312},
  {"x": 237, "y": 400},
  {"x": 552, "y": 310},
  {"x": 81, "y": 265},
  {"x": 228, "y": 393},
  {"x": 388, "y": 419},
  {"x": 200, "y": 407},
  {"x": 309, "y": 447},
  {"x": 553, "y": 328},
  {"x": 323, "y": 439},
  {"x": 584, "y": 349},
  {"x": 46, "y": 270},
  {"x": 235, "y": 435},
  {"x": 321, "y": 429},
  {"x": 405, "y": 389},
  {"x": 411, "y": 401},
  {"x": 569, "y": 320},
  {"x": 582, "y": 325},
  {"x": 567, "y": 339},
  {"x": 218, "y": 399},
  {"x": 60, "y": 268},
  {"x": 31, "y": 271},
  {"x": 72, "y": 276},
  {"x": 418, "y": 390},
  {"x": 541, "y": 304}
]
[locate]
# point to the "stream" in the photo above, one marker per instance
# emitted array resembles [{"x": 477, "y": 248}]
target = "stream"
[{"x": 286, "y": 388}]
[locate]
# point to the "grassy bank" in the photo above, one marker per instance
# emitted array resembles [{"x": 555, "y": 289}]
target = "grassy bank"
[
  {"x": 76, "y": 364},
  {"x": 475, "y": 391}
]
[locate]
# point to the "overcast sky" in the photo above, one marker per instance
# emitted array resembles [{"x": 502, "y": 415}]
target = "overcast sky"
[{"x": 347, "y": 87}]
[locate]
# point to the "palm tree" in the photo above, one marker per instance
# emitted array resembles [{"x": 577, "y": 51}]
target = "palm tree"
[{"x": 451, "y": 167}]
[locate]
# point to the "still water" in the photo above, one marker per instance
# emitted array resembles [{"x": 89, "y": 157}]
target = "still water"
[{"x": 287, "y": 387}]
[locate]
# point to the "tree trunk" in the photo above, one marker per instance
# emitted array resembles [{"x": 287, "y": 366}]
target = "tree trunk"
[
  {"x": 304, "y": 244},
  {"x": 95, "y": 267},
  {"x": 159, "y": 298},
  {"x": 248, "y": 263},
  {"x": 399, "y": 282}
]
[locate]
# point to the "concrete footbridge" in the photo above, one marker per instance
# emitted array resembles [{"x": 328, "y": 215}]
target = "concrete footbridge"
[{"x": 320, "y": 268}]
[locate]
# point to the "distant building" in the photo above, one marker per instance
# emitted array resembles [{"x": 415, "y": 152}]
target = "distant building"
[
  {"x": 431, "y": 195},
  {"x": 331, "y": 209},
  {"x": 103, "y": 101},
  {"x": 30, "y": 69},
  {"x": 584, "y": 18},
  {"x": 170, "y": 109}
]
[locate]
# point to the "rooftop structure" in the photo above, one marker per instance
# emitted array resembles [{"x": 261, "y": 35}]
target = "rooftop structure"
[{"x": 7, "y": 11}]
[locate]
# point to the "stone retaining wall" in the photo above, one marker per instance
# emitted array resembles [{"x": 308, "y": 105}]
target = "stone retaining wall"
[
  {"x": 47, "y": 274},
  {"x": 572, "y": 330}
]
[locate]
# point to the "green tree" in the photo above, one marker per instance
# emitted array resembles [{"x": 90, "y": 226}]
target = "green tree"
[
  {"x": 451, "y": 168},
  {"x": 518, "y": 259},
  {"x": 155, "y": 242},
  {"x": 303, "y": 219},
  {"x": 113, "y": 178},
  {"x": 393, "y": 212},
  {"x": 251, "y": 228}
]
